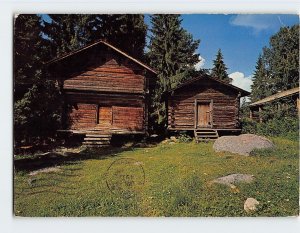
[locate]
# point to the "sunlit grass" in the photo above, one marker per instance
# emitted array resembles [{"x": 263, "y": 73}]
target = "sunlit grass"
[{"x": 176, "y": 183}]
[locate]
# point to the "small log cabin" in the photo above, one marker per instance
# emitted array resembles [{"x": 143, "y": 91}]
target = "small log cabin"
[
  {"x": 205, "y": 105},
  {"x": 106, "y": 92}
]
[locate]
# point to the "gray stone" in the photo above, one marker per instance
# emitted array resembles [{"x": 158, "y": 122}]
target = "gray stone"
[
  {"x": 242, "y": 144},
  {"x": 232, "y": 179},
  {"x": 250, "y": 205}
]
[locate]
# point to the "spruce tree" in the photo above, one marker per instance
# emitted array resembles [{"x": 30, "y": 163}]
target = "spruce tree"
[
  {"x": 27, "y": 49},
  {"x": 282, "y": 58},
  {"x": 35, "y": 106},
  {"x": 126, "y": 31},
  {"x": 277, "y": 68},
  {"x": 220, "y": 70},
  {"x": 261, "y": 81},
  {"x": 172, "y": 53},
  {"x": 67, "y": 32}
]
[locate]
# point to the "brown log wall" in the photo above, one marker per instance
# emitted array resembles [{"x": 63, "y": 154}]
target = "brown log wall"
[
  {"x": 83, "y": 116},
  {"x": 126, "y": 112},
  {"x": 130, "y": 118},
  {"x": 108, "y": 76}
]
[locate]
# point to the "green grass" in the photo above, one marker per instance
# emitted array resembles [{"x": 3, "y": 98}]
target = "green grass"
[{"x": 176, "y": 183}]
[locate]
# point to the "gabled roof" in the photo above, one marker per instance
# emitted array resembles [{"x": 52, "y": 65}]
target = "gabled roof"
[
  {"x": 203, "y": 77},
  {"x": 276, "y": 96},
  {"x": 106, "y": 44}
]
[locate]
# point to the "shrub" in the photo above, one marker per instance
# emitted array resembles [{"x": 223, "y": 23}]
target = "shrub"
[
  {"x": 184, "y": 137},
  {"x": 287, "y": 127}
]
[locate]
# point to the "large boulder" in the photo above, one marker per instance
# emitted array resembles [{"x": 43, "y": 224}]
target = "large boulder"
[{"x": 242, "y": 144}]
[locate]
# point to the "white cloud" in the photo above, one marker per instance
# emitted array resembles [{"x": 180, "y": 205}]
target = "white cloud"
[
  {"x": 239, "y": 80},
  {"x": 200, "y": 64},
  {"x": 256, "y": 22}
]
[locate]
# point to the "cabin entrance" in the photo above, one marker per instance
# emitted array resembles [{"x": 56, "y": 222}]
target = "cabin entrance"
[
  {"x": 104, "y": 116},
  {"x": 203, "y": 115}
]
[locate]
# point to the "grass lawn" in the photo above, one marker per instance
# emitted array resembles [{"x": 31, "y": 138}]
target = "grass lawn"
[{"x": 163, "y": 180}]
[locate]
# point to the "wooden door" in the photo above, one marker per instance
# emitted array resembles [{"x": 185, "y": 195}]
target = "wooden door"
[
  {"x": 104, "y": 116},
  {"x": 203, "y": 115}
]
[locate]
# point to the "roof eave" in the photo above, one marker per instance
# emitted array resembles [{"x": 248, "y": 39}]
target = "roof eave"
[{"x": 94, "y": 44}]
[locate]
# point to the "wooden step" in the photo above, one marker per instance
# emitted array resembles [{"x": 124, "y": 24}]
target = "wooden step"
[
  {"x": 97, "y": 136},
  {"x": 96, "y": 143},
  {"x": 205, "y": 135},
  {"x": 96, "y": 139}
]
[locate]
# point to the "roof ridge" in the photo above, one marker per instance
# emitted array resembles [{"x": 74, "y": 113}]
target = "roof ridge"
[
  {"x": 96, "y": 43},
  {"x": 212, "y": 78},
  {"x": 275, "y": 96}
]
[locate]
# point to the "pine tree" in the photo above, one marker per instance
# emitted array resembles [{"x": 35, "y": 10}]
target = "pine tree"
[
  {"x": 282, "y": 58},
  {"x": 220, "y": 70},
  {"x": 126, "y": 31},
  {"x": 27, "y": 49},
  {"x": 172, "y": 54},
  {"x": 278, "y": 67},
  {"x": 35, "y": 106},
  {"x": 261, "y": 81},
  {"x": 67, "y": 32}
]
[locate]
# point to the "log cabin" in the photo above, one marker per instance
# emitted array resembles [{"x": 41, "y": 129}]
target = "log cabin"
[
  {"x": 279, "y": 99},
  {"x": 106, "y": 92},
  {"x": 205, "y": 106}
]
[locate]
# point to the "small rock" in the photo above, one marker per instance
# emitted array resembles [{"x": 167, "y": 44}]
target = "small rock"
[
  {"x": 250, "y": 205},
  {"x": 232, "y": 179},
  {"x": 173, "y": 139}
]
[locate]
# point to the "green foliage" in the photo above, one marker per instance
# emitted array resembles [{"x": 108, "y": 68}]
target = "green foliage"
[
  {"x": 261, "y": 83},
  {"x": 28, "y": 56},
  {"x": 71, "y": 31},
  {"x": 277, "y": 68},
  {"x": 177, "y": 183},
  {"x": 287, "y": 127},
  {"x": 172, "y": 52},
  {"x": 184, "y": 137},
  {"x": 35, "y": 98},
  {"x": 220, "y": 70},
  {"x": 126, "y": 31},
  {"x": 66, "y": 32},
  {"x": 36, "y": 115}
]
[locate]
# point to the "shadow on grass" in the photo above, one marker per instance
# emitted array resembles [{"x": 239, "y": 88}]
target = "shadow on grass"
[{"x": 51, "y": 159}]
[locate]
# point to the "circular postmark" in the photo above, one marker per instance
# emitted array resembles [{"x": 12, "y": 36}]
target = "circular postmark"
[{"x": 125, "y": 176}]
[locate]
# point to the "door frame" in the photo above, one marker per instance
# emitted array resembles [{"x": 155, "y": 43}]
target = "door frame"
[
  {"x": 210, "y": 102},
  {"x": 98, "y": 116}
]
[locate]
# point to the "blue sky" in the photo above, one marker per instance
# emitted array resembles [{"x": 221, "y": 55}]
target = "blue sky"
[{"x": 240, "y": 37}]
